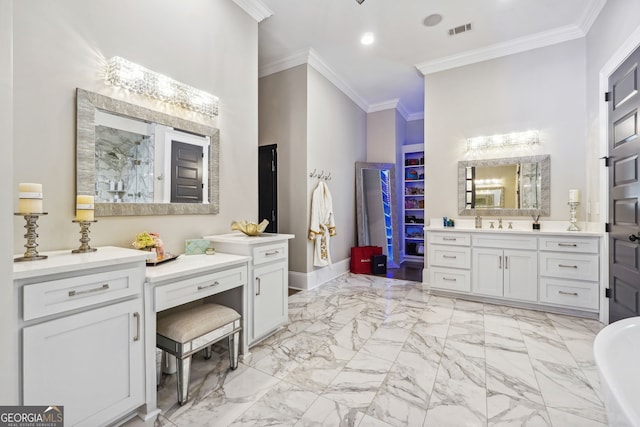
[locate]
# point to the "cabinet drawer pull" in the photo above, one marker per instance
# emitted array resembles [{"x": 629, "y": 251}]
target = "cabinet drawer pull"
[
  {"x": 271, "y": 253},
  {"x": 136, "y": 315},
  {"x": 451, "y": 239},
  {"x": 573, "y": 294},
  {"x": 89, "y": 291},
  {"x": 449, "y": 280},
  {"x": 506, "y": 262},
  {"x": 201, "y": 287},
  {"x": 258, "y": 287},
  {"x": 449, "y": 256},
  {"x": 567, "y": 266},
  {"x": 570, "y": 245},
  {"x": 500, "y": 262}
]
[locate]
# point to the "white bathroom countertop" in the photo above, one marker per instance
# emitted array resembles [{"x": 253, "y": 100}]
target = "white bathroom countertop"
[
  {"x": 186, "y": 265},
  {"x": 556, "y": 231},
  {"x": 64, "y": 261},
  {"x": 240, "y": 237}
]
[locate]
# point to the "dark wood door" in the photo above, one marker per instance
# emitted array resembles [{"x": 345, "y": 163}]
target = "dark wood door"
[
  {"x": 268, "y": 186},
  {"x": 186, "y": 173},
  {"x": 624, "y": 191}
]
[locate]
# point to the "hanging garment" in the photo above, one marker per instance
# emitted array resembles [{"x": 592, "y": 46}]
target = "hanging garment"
[{"x": 322, "y": 224}]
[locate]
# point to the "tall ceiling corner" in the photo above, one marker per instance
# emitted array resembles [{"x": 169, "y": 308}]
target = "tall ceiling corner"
[
  {"x": 591, "y": 15},
  {"x": 255, "y": 8}
]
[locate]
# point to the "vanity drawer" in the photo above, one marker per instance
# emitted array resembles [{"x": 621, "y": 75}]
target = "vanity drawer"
[
  {"x": 569, "y": 266},
  {"x": 490, "y": 240},
  {"x": 570, "y": 244},
  {"x": 450, "y": 256},
  {"x": 455, "y": 239},
  {"x": 184, "y": 291},
  {"x": 450, "y": 279},
  {"x": 268, "y": 253},
  {"x": 569, "y": 293},
  {"x": 57, "y": 296}
]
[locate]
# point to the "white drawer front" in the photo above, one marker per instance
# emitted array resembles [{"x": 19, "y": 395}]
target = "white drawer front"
[
  {"x": 449, "y": 279},
  {"x": 267, "y": 253},
  {"x": 504, "y": 242},
  {"x": 57, "y": 296},
  {"x": 569, "y": 244},
  {"x": 569, "y": 293},
  {"x": 570, "y": 266},
  {"x": 450, "y": 256},
  {"x": 188, "y": 290},
  {"x": 455, "y": 239}
]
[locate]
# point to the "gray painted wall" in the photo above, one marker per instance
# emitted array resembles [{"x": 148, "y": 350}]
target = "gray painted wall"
[
  {"x": 61, "y": 45},
  {"x": 541, "y": 89}
]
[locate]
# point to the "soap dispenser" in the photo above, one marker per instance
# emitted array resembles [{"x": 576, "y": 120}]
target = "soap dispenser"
[{"x": 478, "y": 221}]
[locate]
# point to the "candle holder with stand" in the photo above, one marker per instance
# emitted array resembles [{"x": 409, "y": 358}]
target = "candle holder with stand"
[
  {"x": 32, "y": 224},
  {"x": 84, "y": 237},
  {"x": 573, "y": 206}
]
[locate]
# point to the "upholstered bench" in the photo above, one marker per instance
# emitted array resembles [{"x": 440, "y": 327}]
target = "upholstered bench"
[{"x": 183, "y": 332}]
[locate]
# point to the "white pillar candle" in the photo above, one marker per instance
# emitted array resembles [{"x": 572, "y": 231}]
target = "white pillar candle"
[
  {"x": 30, "y": 198},
  {"x": 574, "y": 196},
  {"x": 84, "y": 208}
]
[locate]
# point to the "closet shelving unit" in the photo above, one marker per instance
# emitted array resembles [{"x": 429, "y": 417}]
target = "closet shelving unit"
[{"x": 413, "y": 202}]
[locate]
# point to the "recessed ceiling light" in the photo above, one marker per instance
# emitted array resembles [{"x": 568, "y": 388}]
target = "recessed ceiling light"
[
  {"x": 432, "y": 20},
  {"x": 367, "y": 38}
]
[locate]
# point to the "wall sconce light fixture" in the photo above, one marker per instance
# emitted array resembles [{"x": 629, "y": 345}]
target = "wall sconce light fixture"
[
  {"x": 508, "y": 140},
  {"x": 128, "y": 75}
]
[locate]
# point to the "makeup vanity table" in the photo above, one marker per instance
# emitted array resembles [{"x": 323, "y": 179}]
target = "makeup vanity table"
[{"x": 86, "y": 326}]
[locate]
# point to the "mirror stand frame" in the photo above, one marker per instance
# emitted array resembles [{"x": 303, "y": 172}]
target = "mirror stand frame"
[
  {"x": 87, "y": 103},
  {"x": 395, "y": 231},
  {"x": 545, "y": 186}
]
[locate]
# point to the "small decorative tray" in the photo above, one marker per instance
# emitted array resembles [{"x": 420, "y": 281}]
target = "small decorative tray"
[{"x": 167, "y": 258}]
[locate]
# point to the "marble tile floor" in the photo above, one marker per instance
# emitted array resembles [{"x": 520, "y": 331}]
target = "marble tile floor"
[{"x": 373, "y": 351}]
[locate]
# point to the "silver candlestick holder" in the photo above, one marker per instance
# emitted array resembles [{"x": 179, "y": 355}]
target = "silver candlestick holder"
[
  {"x": 573, "y": 207},
  {"x": 84, "y": 237},
  {"x": 32, "y": 224}
]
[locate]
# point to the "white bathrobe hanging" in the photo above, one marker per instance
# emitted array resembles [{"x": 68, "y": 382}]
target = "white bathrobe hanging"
[{"x": 322, "y": 224}]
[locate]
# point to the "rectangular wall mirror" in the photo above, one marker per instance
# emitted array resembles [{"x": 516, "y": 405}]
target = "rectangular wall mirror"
[
  {"x": 516, "y": 186},
  {"x": 137, "y": 161}
]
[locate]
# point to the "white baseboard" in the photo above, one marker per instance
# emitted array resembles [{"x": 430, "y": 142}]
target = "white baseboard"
[{"x": 317, "y": 277}]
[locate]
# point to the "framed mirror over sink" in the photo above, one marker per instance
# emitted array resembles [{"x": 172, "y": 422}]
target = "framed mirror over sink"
[
  {"x": 137, "y": 161},
  {"x": 515, "y": 186}
]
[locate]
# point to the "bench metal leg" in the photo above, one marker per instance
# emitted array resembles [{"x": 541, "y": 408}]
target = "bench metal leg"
[
  {"x": 206, "y": 352},
  {"x": 234, "y": 343},
  {"x": 184, "y": 371}
]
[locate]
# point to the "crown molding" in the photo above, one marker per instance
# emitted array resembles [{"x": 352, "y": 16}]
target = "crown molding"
[
  {"x": 522, "y": 44},
  {"x": 382, "y": 106},
  {"x": 591, "y": 15},
  {"x": 297, "y": 58},
  {"x": 255, "y": 8},
  {"x": 416, "y": 116},
  {"x": 311, "y": 57}
]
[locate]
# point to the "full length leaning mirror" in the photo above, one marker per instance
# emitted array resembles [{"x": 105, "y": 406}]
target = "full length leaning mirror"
[
  {"x": 376, "y": 209},
  {"x": 137, "y": 161},
  {"x": 516, "y": 186}
]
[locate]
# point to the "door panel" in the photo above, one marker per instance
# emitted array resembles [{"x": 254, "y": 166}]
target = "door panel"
[
  {"x": 268, "y": 186},
  {"x": 186, "y": 173},
  {"x": 487, "y": 272},
  {"x": 521, "y": 275},
  {"x": 624, "y": 191}
]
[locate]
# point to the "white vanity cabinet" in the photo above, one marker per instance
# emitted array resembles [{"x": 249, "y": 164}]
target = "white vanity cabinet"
[
  {"x": 569, "y": 271},
  {"x": 509, "y": 272},
  {"x": 82, "y": 333},
  {"x": 554, "y": 271},
  {"x": 268, "y": 278}
]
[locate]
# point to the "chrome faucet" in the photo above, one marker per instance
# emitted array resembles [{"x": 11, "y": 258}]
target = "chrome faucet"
[
  {"x": 478, "y": 221},
  {"x": 500, "y": 223}
]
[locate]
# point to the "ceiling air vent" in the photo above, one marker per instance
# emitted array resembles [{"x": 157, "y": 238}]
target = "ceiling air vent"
[{"x": 460, "y": 29}]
